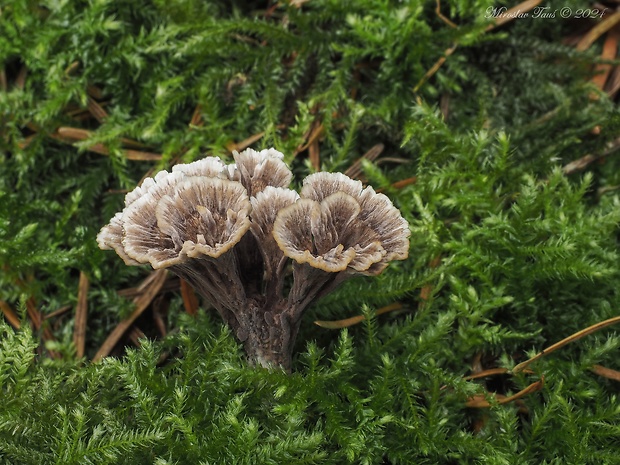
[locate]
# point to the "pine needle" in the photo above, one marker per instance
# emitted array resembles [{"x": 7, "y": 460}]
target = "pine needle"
[
  {"x": 9, "y": 314},
  {"x": 574, "y": 337},
  {"x": 81, "y": 313},
  {"x": 339, "y": 324},
  {"x": 597, "y": 31},
  {"x": 151, "y": 287},
  {"x": 480, "y": 401},
  {"x": 606, "y": 372},
  {"x": 190, "y": 301}
]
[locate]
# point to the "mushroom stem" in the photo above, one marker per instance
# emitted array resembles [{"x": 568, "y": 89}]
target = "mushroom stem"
[
  {"x": 204, "y": 284},
  {"x": 270, "y": 334},
  {"x": 310, "y": 284}
]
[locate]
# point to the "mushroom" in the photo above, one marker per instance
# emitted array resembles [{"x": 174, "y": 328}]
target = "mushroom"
[
  {"x": 340, "y": 229},
  {"x": 195, "y": 220},
  {"x": 265, "y": 208},
  {"x": 376, "y": 212},
  {"x": 257, "y": 170}
]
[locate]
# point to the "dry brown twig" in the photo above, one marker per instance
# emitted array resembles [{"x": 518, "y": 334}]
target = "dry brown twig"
[
  {"x": 574, "y": 337},
  {"x": 585, "y": 161},
  {"x": 339, "y": 324},
  {"x": 190, "y": 300},
  {"x": 70, "y": 135},
  {"x": 150, "y": 287},
  {"x": 606, "y": 372},
  {"x": 610, "y": 50},
  {"x": 355, "y": 170},
  {"x": 96, "y": 110},
  {"x": 81, "y": 312},
  {"x": 597, "y": 31},
  {"x": 508, "y": 16},
  {"x": 480, "y": 401},
  {"x": 441, "y": 16},
  {"x": 56, "y": 313},
  {"x": 314, "y": 133},
  {"x": 244, "y": 144},
  {"x": 10, "y": 315}
]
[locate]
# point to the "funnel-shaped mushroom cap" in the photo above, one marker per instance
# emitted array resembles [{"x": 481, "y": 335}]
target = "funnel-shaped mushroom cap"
[
  {"x": 142, "y": 240},
  {"x": 257, "y": 170},
  {"x": 204, "y": 216},
  {"x": 328, "y": 235},
  {"x": 135, "y": 221},
  {"x": 317, "y": 186},
  {"x": 195, "y": 216},
  {"x": 381, "y": 221},
  {"x": 265, "y": 208},
  {"x": 178, "y": 215},
  {"x": 380, "y": 215},
  {"x": 310, "y": 232}
]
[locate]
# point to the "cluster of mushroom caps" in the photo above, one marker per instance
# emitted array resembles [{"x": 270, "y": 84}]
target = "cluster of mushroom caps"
[{"x": 231, "y": 231}]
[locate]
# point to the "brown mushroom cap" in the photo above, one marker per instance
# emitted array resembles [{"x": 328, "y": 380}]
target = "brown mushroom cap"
[
  {"x": 317, "y": 233},
  {"x": 175, "y": 216},
  {"x": 133, "y": 222},
  {"x": 337, "y": 239},
  {"x": 265, "y": 207},
  {"x": 111, "y": 235},
  {"x": 142, "y": 240},
  {"x": 292, "y": 229},
  {"x": 380, "y": 215},
  {"x": 139, "y": 191},
  {"x": 257, "y": 170},
  {"x": 317, "y": 186},
  {"x": 383, "y": 225},
  {"x": 204, "y": 216}
]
